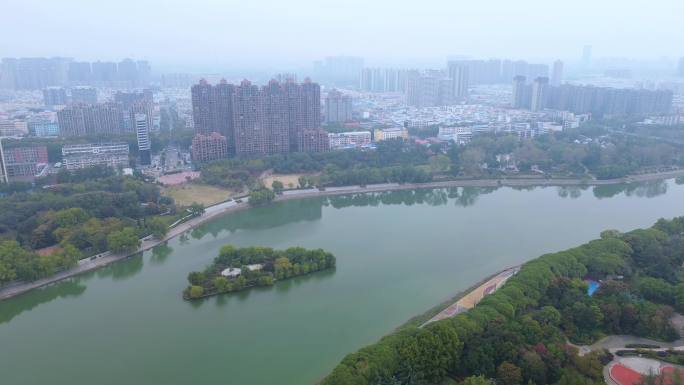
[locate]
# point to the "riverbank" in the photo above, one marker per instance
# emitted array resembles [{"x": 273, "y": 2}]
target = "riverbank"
[{"x": 220, "y": 209}]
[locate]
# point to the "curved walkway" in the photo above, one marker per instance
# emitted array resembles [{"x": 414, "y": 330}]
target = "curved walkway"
[
  {"x": 214, "y": 211},
  {"x": 471, "y": 299}
]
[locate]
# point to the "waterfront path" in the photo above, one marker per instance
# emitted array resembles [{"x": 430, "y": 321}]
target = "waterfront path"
[
  {"x": 472, "y": 298},
  {"x": 217, "y": 210}
]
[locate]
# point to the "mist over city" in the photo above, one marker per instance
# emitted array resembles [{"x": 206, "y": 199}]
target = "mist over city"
[{"x": 341, "y": 193}]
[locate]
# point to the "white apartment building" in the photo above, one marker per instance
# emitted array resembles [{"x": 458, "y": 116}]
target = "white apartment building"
[
  {"x": 79, "y": 156},
  {"x": 352, "y": 139}
]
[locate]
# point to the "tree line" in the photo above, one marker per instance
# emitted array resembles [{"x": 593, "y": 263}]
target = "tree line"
[{"x": 519, "y": 334}]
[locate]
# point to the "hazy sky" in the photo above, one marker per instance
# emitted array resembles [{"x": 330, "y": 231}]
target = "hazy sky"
[{"x": 264, "y": 34}]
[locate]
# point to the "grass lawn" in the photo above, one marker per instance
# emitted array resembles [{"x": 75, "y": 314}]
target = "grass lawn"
[
  {"x": 289, "y": 180},
  {"x": 188, "y": 193}
]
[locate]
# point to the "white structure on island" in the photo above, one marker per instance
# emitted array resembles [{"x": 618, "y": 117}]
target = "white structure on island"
[{"x": 233, "y": 272}]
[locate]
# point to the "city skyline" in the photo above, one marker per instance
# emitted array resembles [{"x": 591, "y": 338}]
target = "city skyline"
[{"x": 406, "y": 34}]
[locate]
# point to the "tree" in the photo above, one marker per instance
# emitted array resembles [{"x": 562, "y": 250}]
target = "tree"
[
  {"x": 157, "y": 227},
  {"x": 477, "y": 380},
  {"x": 221, "y": 284},
  {"x": 471, "y": 159},
  {"x": 277, "y": 186},
  {"x": 123, "y": 241},
  {"x": 508, "y": 374},
  {"x": 439, "y": 163},
  {"x": 196, "y": 209},
  {"x": 303, "y": 181},
  {"x": 197, "y": 278},
  {"x": 196, "y": 291},
  {"x": 261, "y": 197}
]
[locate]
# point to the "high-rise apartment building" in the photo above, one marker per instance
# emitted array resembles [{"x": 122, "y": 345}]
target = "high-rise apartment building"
[
  {"x": 540, "y": 91},
  {"x": 338, "y": 107},
  {"x": 79, "y": 73},
  {"x": 557, "y": 75},
  {"x": 341, "y": 71},
  {"x": 313, "y": 141},
  {"x": 81, "y": 120},
  {"x": 429, "y": 89},
  {"x": 79, "y": 156},
  {"x": 104, "y": 73},
  {"x": 33, "y": 73},
  {"x": 209, "y": 147},
  {"x": 257, "y": 120},
  {"x": 598, "y": 101},
  {"x": 3, "y": 169},
  {"x": 212, "y": 109},
  {"x": 83, "y": 95},
  {"x": 680, "y": 71},
  {"x": 142, "y": 133},
  {"x": 459, "y": 73},
  {"x": 520, "y": 91},
  {"x": 54, "y": 96}
]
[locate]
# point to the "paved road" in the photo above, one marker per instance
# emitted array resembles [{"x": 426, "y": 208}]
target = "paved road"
[{"x": 107, "y": 258}]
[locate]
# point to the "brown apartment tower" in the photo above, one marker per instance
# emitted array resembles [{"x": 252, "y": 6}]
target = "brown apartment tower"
[{"x": 258, "y": 120}]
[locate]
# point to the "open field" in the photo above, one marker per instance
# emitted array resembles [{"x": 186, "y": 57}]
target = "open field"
[
  {"x": 289, "y": 180},
  {"x": 188, "y": 193}
]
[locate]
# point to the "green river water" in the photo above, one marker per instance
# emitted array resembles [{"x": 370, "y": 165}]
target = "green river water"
[{"x": 398, "y": 254}]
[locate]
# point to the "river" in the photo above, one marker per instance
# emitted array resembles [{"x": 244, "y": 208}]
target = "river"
[{"x": 398, "y": 254}]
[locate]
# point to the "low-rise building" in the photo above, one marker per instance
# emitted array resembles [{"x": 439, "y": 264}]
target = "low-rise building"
[
  {"x": 459, "y": 135},
  {"x": 381, "y": 134},
  {"x": 24, "y": 162},
  {"x": 79, "y": 156},
  {"x": 313, "y": 141},
  {"x": 212, "y": 146},
  {"x": 352, "y": 139},
  {"x": 13, "y": 128},
  {"x": 43, "y": 128}
]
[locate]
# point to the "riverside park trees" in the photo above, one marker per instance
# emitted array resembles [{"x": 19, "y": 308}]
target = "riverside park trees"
[{"x": 519, "y": 334}]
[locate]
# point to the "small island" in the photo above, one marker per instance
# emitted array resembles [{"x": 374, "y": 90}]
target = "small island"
[{"x": 237, "y": 269}]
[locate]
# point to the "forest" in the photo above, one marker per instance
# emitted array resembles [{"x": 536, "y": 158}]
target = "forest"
[
  {"x": 84, "y": 213},
  {"x": 520, "y": 333},
  {"x": 255, "y": 266}
]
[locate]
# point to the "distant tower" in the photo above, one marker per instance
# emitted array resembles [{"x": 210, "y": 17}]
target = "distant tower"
[
  {"x": 557, "y": 75},
  {"x": 458, "y": 73},
  {"x": 681, "y": 67},
  {"x": 3, "y": 168},
  {"x": 586, "y": 55},
  {"x": 519, "y": 91},
  {"x": 539, "y": 93},
  {"x": 142, "y": 132}
]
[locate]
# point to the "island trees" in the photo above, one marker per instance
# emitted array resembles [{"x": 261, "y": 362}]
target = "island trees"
[{"x": 239, "y": 268}]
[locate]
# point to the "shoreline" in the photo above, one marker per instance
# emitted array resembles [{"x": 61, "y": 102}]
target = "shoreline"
[{"x": 217, "y": 210}]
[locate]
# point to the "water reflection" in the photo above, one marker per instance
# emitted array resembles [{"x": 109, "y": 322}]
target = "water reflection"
[
  {"x": 122, "y": 270},
  {"x": 572, "y": 192},
  {"x": 462, "y": 196},
  {"x": 280, "y": 288},
  {"x": 28, "y": 301},
  {"x": 261, "y": 218},
  {"x": 649, "y": 189},
  {"x": 160, "y": 253}
]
